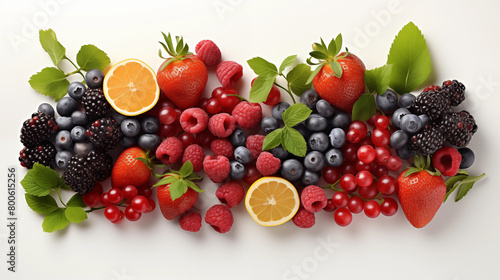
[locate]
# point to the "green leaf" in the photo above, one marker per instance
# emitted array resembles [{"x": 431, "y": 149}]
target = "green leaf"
[
  {"x": 49, "y": 43},
  {"x": 194, "y": 186},
  {"x": 166, "y": 180},
  {"x": 273, "y": 139},
  {"x": 75, "y": 214},
  {"x": 295, "y": 114},
  {"x": 336, "y": 68},
  {"x": 262, "y": 67},
  {"x": 30, "y": 185},
  {"x": 298, "y": 77},
  {"x": 318, "y": 55},
  {"x": 177, "y": 189},
  {"x": 364, "y": 108},
  {"x": 261, "y": 88},
  {"x": 338, "y": 43},
  {"x": 412, "y": 170},
  {"x": 193, "y": 176},
  {"x": 41, "y": 204},
  {"x": 76, "y": 201},
  {"x": 410, "y": 59},
  {"x": 50, "y": 82},
  {"x": 466, "y": 185},
  {"x": 451, "y": 185},
  {"x": 332, "y": 48},
  {"x": 62, "y": 184},
  {"x": 91, "y": 57},
  {"x": 44, "y": 176},
  {"x": 377, "y": 80},
  {"x": 55, "y": 221},
  {"x": 294, "y": 142},
  {"x": 186, "y": 169},
  {"x": 287, "y": 62},
  {"x": 313, "y": 74}
]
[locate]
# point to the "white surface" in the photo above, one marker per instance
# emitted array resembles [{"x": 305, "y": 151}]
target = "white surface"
[{"x": 462, "y": 242}]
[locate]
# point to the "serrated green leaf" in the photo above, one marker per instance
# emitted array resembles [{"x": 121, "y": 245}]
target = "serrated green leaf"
[
  {"x": 44, "y": 176},
  {"x": 294, "y": 142},
  {"x": 75, "y": 214},
  {"x": 50, "y": 82},
  {"x": 295, "y": 114},
  {"x": 261, "y": 88},
  {"x": 314, "y": 73},
  {"x": 377, "y": 80},
  {"x": 49, "y": 43},
  {"x": 298, "y": 77},
  {"x": 272, "y": 140},
  {"x": 262, "y": 67},
  {"x": 76, "y": 201},
  {"x": 318, "y": 55},
  {"x": 165, "y": 180},
  {"x": 287, "y": 62},
  {"x": 336, "y": 68},
  {"x": 55, "y": 220},
  {"x": 194, "y": 186},
  {"x": 410, "y": 59},
  {"x": 91, "y": 57},
  {"x": 31, "y": 187},
  {"x": 177, "y": 189},
  {"x": 364, "y": 107},
  {"x": 411, "y": 170},
  {"x": 62, "y": 184},
  {"x": 186, "y": 169},
  {"x": 41, "y": 204}
]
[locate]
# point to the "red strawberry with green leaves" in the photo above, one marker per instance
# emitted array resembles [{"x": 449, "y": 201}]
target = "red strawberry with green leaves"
[
  {"x": 176, "y": 191},
  {"x": 131, "y": 168},
  {"x": 421, "y": 192},
  {"x": 183, "y": 76},
  {"x": 339, "y": 78}
]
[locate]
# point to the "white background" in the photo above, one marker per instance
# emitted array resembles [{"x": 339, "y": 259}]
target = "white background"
[{"x": 462, "y": 242}]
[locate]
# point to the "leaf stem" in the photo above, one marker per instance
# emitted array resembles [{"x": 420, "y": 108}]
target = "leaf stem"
[
  {"x": 77, "y": 68},
  {"x": 285, "y": 89},
  {"x": 59, "y": 196}
]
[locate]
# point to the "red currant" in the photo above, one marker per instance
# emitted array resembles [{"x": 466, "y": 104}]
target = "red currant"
[
  {"x": 343, "y": 217},
  {"x": 387, "y": 185},
  {"x": 120, "y": 218},
  {"x": 348, "y": 169},
  {"x": 213, "y": 106},
  {"x": 381, "y": 137},
  {"x": 350, "y": 152},
  {"x": 389, "y": 207},
  {"x": 204, "y": 138},
  {"x": 348, "y": 182},
  {"x": 187, "y": 139},
  {"x": 372, "y": 209},
  {"x": 394, "y": 163},
  {"x": 382, "y": 122},
  {"x": 104, "y": 199},
  {"x": 252, "y": 175},
  {"x": 364, "y": 179},
  {"x": 168, "y": 130},
  {"x": 360, "y": 166},
  {"x": 217, "y": 92},
  {"x": 115, "y": 195},
  {"x": 340, "y": 199},
  {"x": 371, "y": 120},
  {"x": 151, "y": 206},
  {"x": 139, "y": 203},
  {"x": 91, "y": 199},
  {"x": 112, "y": 213},
  {"x": 274, "y": 97},
  {"x": 228, "y": 98},
  {"x": 129, "y": 192},
  {"x": 382, "y": 154},
  {"x": 379, "y": 171},
  {"x": 147, "y": 192},
  {"x": 369, "y": 192},
  {"x": 131, "y": 214},
  {"x": 329, "y": 206},
  {"x": 353, "y": 136},
  {"x": 360, "y": 127},
  {"x": 167, "y": 115},
  {"x": 366, "y": 154},
  {"x": 164, "y": 103},
  {"x": 366, "y": 141},
  {"x": 203, "y": 103},
  {"x": 331, "y": 174},
  {"x": 355, "y": 204}
]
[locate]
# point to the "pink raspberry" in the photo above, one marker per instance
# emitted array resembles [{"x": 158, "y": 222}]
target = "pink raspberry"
[
  {"x": 313, "y": 198},
  {"x": 190, "y": 221},
  {"x": 195, "y": 154},
  {"x": 170, "y": 150},
  {"x": 247, "y": 115},
  {"x": 221, "y": 125},
  {"x": 217, "y": 169},
  {"x": 220, "y": 218},
  {"x": 231, "y": 194},
  {"x": 194, "y": 120},
  {"x": 254, "y": 144},
  {"x": 222, "y": 147},
  {"x": 208, "y": 52},
  {"x": 228, "y": 73},
  {"x": 267, "y": 164},
  {"x": 304, "y": 218}
]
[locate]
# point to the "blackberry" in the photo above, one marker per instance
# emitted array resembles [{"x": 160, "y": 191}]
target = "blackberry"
[
  {"x": 104, "y": 134},
  {"x": 37, "y": 129},
  {"x": 77, "y": 176},
  {"x": 95, "y": 104},
  {"x": 428, "y": 141},
  {"x": 458, "y": 128},
  {"x": 100, "y": 165},
  {"x": 44, "y": 154},
  {"x": 432, "y": 104},
  {"x": 454, "y": 91}
]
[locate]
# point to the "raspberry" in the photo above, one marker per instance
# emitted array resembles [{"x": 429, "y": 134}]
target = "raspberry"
[
  {"x": 267, "y": 164},
  {"x": 195, "y": 154},
  {"x": 194, "y": 120},
  {"x": 313, "y": 198},
  {"x": 228, "y": 73},
  {"x": 190, "y": 221},
  {"x": 304, "y": 218},
  {"x": 254, "y": 144},
  {"x": 222, "y": 147},
  {"x": 208, "y": 52},
  {"x": 217, "y": 169},
  {"x": 221, "y": 125},
  {"x": 231, "y": 194},
  {"x": 447, "y": 160},
  {"x": 169, "y": 151},
  {"x": 247, "y": 115},
  {"x": 220, "y": 218}
]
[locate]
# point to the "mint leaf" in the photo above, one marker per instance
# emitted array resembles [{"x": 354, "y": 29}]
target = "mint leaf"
[
  {"x": 295, "y": 114},
  {"x": 31, "y": 187},
  {"x": 49, "y": 43},
  {"x": 50, "y": 82},
  {"x": 298, "y": 77},
  {"x": 76, "y": 201},
  {"x": 41, "y": 204},
  {"x": 91, "y": 57},
  {"x": 75, "y": 214},
  {"x": 294, "y": 142},
  {"x": 377, "y": 80},
  {"x": 410, "y": 59},
  {"x": 364, "y": 107},
  {"x": 273, "y": 139},
  {"x": 44, "y": 176},
  {"x": 262, "y": 67},
  {"x": 177, "y": 189},
  {"x": 261, "y": 88},
  {"x": 186, "y": 169},
  {"x": 55, "y": 221},
  {"x": 287, "y": 62}
]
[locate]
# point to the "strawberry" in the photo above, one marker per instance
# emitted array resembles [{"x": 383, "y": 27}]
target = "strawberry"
[
  {"x": 421, "y": 192},
  {"x": 183, "y": 76},
  {"x": 339, "y": 79},
  {"x": 176, "y": 191},
  {"x": 128, "y": 170}
]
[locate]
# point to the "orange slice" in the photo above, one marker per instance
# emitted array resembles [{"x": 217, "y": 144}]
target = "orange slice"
[
  {"x": 130, "y": 87},
  {"x": 272, "y": 201}
]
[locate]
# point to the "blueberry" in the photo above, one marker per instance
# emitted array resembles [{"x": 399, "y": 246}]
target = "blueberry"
[
  {"x": 315, "y": 122},
  {"x": 238, "y": 138},
  {"x": 310, "y": 178},
  {"x": 309, "y": 98},
  {"x": 47, "y": 109},
  {"x": 279, "y": 152},
  {"x": 399, "y": 139},
  {"x": 341, "y": 120},
  {"x": 404, "y": 152},
  {"x": 324, "y": 108},
  {"x": 62, "y": 159},
  {"x": 314, "y": 161},
  {"x": 425, "y": 119},
  {"x": 406, "y": 100},
  {"x": 337, "y": 138},
  {"x": 76, "y": 90},
  {"x": 302, "y": 129},
  {"x": 127, "y": 142},
  {"x": 278, "y": 110},
  {"x": 468, "y": 157},
  {"x": 117, "y": 116},
  {"x": 78, "y": 134},
  {"x": 94, "y": 78},
  {"x": 237, "y": 171},
  {"x": 64, "y": 123},
  {"x": 63, "y": 140},
  {"x": 150, "y": 124},
  {"x": 411, "y": 123},
  {"x": 388, "y": 101},
  {"x": 130, "y": 127},
  {"x": 398, "y": 115},
  {"x": 318, "y": 141},
  {"x": 79, "y": 118},
  {"x": 334, "y": 157},
  {"x": 292, "y": 169},
  {"x": 268, "y": 124},
  {"x": 149, "y": 141},
  {"x": 242, "y": 154},
  {"x": 66, "y": 105},
  {"x": 82, "y": 148}
]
